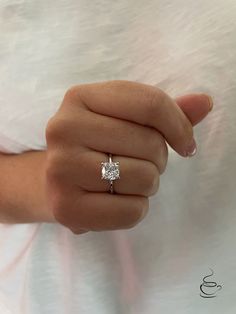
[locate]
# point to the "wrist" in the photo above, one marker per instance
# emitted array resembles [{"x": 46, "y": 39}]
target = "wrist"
[
  {"x": 23, "y": 193},
  {"x": 43, "y": 205}
]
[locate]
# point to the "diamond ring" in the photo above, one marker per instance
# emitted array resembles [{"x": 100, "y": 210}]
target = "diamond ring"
[{"x": 110, "y": 172}]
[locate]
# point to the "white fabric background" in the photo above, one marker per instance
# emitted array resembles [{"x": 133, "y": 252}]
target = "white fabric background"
[{"x": 180, "y": 46}]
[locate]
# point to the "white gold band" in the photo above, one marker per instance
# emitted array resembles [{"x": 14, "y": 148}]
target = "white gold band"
[{"x": 110, "y": 171}]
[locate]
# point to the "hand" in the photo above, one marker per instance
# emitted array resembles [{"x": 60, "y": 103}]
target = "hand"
[{"x": 133, "y": 121}]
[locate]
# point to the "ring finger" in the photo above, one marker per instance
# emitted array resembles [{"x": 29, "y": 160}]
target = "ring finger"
[{"x": 83, "y": 168}]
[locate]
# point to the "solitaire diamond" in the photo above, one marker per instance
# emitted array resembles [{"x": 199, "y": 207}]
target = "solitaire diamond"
[{"x": 110, "y": 170}]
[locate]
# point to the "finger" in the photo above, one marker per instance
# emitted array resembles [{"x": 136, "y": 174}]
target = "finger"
[
  {"x": 140, "y": 103},
  {"x": 83, "y": 169},
  {"x": 116, "y": 136},
  {"x": 195, "y": 106},
  {"x": 104, "y": 211}
]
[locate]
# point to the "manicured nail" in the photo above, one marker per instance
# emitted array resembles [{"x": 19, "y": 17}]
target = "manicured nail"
[
  {"x": 210, "y": 102},
  {"x": 191, "y": 149}
]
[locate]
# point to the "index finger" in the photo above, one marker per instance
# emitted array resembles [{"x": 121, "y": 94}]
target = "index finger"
[{"x": 140, "y": 103}]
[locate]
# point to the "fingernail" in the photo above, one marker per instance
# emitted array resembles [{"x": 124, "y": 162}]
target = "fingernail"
[
  {"x": 191, "y": 149},
  {"x": 210, "y": 102}
]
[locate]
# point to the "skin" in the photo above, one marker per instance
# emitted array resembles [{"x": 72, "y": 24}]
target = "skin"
[
  {"x": 63, "y": 183},
  {"x": 133, "y": 121}
]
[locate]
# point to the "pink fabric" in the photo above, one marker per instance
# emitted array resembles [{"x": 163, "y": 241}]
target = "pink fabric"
[{"x": 131, "y": 286}]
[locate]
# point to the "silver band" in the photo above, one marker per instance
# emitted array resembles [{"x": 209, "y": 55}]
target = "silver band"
[
  {"x": 111, "y": 187},
  {"x": 111, "y": 181},
  {"x": 110, "y": 157},
  {"x": 110, "y": 171}
]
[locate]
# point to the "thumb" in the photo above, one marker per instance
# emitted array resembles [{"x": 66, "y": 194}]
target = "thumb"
[{"x": 195, "y": 106}]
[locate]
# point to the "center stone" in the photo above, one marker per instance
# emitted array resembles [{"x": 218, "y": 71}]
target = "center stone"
[{"x": 110, "y": 170}]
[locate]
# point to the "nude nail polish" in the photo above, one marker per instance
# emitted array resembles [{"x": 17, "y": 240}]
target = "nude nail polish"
[
  {"x": 210, "y": 101},
  {"x": 191, "y": 149}
]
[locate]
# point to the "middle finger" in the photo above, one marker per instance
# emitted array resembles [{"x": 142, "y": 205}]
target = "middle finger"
[{"x": 118, "y": 137}]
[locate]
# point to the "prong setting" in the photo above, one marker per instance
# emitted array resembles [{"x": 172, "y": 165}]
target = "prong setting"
[{"x": 110, "y": 170}]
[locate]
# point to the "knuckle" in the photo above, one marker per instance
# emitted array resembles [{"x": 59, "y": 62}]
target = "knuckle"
[
  {"x": 72, "y": 92},
  {"x": 54, "y": 129},
  {"x": 151, "y": 179},
  {"x": 50, "y": 129},
  {"x": 137, "y": 212},
  {"x": 155, "y": 186},
  {"x": 77, "y": 93},
  {"x": 58, "y": 131}
]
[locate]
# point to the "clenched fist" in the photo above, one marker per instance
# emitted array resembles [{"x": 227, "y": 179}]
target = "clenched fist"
[{"x": 133, "y": 122}]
